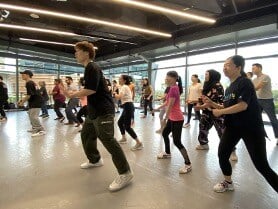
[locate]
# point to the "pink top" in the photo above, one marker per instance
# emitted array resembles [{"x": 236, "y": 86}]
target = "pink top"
[{"x": 175, "y": 112}]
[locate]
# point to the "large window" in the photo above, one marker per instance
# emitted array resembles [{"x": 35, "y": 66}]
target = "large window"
[{"x": 211, "y": 56}]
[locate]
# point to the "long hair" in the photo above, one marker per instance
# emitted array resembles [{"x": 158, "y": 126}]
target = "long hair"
[{"x": 214, "y": 77}]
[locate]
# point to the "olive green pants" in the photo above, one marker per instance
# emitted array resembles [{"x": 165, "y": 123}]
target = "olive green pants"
[{"x": 103, "y": 128}]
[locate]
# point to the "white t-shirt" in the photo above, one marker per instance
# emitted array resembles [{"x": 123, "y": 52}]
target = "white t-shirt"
[
  {"x": 194, "y": 92},
  {"x": 125, "y": 93}
]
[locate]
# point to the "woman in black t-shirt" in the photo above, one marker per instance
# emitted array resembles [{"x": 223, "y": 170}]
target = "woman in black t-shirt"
[{"x": 243, "y": 121}]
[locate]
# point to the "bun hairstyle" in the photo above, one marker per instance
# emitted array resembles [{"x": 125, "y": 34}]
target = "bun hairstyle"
[{"x": 239, "y": 61}]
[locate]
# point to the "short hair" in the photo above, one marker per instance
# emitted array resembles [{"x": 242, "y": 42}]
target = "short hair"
[
  {"x": 1, "y": 78},
  {"x": 87, "y": 47},
  {"x": 69, "y": 77},
  {"x": 258, "y": 65}
]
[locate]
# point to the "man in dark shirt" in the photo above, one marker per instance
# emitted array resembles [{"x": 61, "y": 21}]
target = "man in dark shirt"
[
  {"x": 34, "y": 102},
  {"x": 100, "y": 120},
  {"x": 3, "y": 99}
]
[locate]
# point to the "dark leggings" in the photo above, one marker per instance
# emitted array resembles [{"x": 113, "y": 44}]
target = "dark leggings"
[
  {"x": 2, "y": 112},
  {"x": 148, "y": 103},
  {"x": 82, "y": 112},
  {"x": 189, "y": 111},
  {"x": 254, "y": 141},
  {"x": 57, "y": 105},
  {"x": 124, "y": 121},
  {"x": 176, "y": 128}
]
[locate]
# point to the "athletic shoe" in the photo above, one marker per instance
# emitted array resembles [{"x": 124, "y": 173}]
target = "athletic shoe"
[
  {"x": 3, "y": 119},
  {"x": 121, "y": 181},
  {"x": 202, "y": 147},
  {"x": 91, "y": 165},
  {"x": 163, "y": 155},
  {"x": 223, "y": 187},
  {"x": 186, "y": 125},
  {"x": 185, "y": 169},
  {"x": 38, "y": 133},
  {"x": 233, "y": 156},
  {"x": 62, "y": 119},
  {"x": 45, "y": 116},
  {"x": 137, "y": 146},
  {"x": 159, "y": 131},
  {"x": 123, "y": 140}
]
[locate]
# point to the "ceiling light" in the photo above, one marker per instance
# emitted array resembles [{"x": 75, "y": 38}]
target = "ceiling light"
[
  {"x": 168, "y": 11},
  {"x": 85, "y": 19},
  {"x": 35, "y": 16},
  {"x": 48, "y": 42},
  {"x": 20, "y": 27}
]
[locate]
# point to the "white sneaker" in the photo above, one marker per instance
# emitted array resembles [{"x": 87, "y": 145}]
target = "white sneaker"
[
  {"x": 121, "y": 181},
  {"x": 163, "y": 155},
  {"x": 186, "y": 125},
  {"x": 159, "y": 131},
  {"x": 185, "y": 169},
  {"x": 123, "y": 140},
  {"x": 39, "y": 133},
  {"x": 233, "y": 156},
  {"x": 137, "y": 146},
  {"x": 91, "y": 165},
  {"x": 223, "y": 187},
  {"x": 3, "y": 119},
  {"x": 202, "y": 147}
]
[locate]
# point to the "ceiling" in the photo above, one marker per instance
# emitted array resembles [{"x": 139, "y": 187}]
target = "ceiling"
[{"x": 110, "y": 40}]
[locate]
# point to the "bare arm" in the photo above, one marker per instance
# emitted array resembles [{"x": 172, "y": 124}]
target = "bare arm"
[
  {"x": 239, "y": 107},
  {"x": 81, "y": 93},
  {"x": 260, "y": 85}
]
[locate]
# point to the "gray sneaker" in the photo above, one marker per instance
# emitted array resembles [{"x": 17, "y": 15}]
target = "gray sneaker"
[
  {"x": 91, "y": 165},
  {"x": 202, "y": 147},
  {"x": 123, "y": 140},
  {"x": 137, "y": 146},
  {"x": 38, "y": 133},
  {"x": 121, "y": 181},
  {"x": 223, "y": 187}
]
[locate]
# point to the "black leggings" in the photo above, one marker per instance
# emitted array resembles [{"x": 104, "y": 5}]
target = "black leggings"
[
  {"x": 176, "y": 128},
  {"x": 189, "y": 112},
  {"x": 148, "y": 103},
  {"x": 2, "y": 112},
  {"x": 57, "y": 105},
  {"x": 254, "y": 141},
  {"x": 124, "y": 121}
]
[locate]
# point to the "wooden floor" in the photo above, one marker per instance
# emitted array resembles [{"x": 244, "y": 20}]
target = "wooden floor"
[{"x": 44, "y": 172}]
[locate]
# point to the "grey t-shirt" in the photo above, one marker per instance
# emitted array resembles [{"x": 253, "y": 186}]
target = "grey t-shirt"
[{"x": 264, "y": 92}]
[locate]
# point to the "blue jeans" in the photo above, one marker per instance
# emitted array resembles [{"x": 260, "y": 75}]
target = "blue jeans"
[
  {"x": 71, "y": 105},
  {"x": 44, "y": 108},
  {"x": 268, "y": 106}
]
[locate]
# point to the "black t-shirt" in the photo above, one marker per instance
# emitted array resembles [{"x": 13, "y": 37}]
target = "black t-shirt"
[
  {"x": 35, "y": 100},
  {"x": 101, "y": 102},
  {"x": 242, "y": 89}
]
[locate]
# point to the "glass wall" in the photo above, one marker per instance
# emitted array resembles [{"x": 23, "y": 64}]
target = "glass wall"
[{"x": 43, "y": 71}]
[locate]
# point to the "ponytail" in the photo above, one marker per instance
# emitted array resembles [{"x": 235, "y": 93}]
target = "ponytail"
[{"x": 180, "y": 84}]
